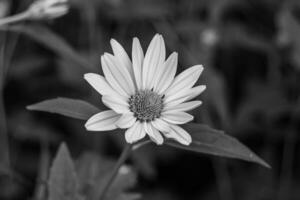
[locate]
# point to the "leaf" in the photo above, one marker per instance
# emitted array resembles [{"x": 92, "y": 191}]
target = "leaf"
[
  {"x": 50, "y": 40},
  {"x": 215, "y": 142},
  {"x": 74, "y": 108},
  {"x": 63, "y": 183}
]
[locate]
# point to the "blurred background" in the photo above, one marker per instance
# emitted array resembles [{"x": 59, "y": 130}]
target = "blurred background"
[{"x": 251, "y": 53}]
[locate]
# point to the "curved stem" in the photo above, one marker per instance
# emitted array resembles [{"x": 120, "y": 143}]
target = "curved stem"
[
  {"x": 121, "y": 160},
  {"x": 140, "y": 144},
  {"x": 14, "y": 18}
]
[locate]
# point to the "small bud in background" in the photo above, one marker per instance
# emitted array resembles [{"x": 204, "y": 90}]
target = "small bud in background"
[
  {"x": 209, "y": 37},
  {"x": 124, "y": 169},
  {"x": 4, "y": 8},
  {"x": 286, "y": 24},
  {"x": 48, "y": 9}
]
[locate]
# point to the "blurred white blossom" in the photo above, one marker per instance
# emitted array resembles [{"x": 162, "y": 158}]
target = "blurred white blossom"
[
  {"x": 209, "y": 37},
  {"x": 48, "y": 9}
]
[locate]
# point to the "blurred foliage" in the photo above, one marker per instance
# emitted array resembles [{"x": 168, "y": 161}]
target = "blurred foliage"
[{"x": 250, "y": 50}]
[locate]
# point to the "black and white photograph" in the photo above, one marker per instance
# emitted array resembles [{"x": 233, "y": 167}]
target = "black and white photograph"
[{"x": 149, "y": 99}]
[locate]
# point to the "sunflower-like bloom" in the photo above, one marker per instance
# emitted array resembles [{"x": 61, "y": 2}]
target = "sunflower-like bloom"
[{"x": 144, "y": 95}]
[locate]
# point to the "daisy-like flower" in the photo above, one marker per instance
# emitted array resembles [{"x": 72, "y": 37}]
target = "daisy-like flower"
[
  {"x": 144, "y": 95},
  {"x": 48, "y": 9}
]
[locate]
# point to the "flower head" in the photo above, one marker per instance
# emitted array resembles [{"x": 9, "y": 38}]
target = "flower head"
[
  {"x": 144, "y": 95},
  {"x": 48, "y": 9}
]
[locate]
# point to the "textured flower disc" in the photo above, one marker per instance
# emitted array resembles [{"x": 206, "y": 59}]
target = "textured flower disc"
[
  {"x": 144, "y": 95},
  {"x": 146, "y": 105}
]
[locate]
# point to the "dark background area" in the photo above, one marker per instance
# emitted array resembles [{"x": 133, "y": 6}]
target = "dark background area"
[{"x": 251, "y": 53}]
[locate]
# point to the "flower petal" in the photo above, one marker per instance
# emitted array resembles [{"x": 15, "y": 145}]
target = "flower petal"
[
  {"x": 153, "y": 57},
  {"x": 116, "y": 104},
  {"x": 135, "y": 133},
  {"x": 103, "y": 121},
  {"x": 121, "y": 56},
  {"x": 184, "y": 106},
  {"x": 126, "y": 120},
  {"x": 168, "y": 73},
  {"x": 112, "y": 79},
  {"x": 177, "y": 117},
  {"x": 159, "y": 68},
  {"x": 99, "y": 83},
  {"x": 137, "y": 62},
  {"x": 186, "y": 95},
  {"x": 179, "y": 134},
  {"x": 185, "y": 80},
  {"x": 120, "y": 73},
  {"x": 195, "y": 91},
  {"x": 153, "y": 133},
  {"x": 161, "y": 125}
]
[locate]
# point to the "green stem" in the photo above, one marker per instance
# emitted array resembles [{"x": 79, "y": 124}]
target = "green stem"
[
  {"x": 120, "y": 162},
  {"x": 14, "y": 18}
]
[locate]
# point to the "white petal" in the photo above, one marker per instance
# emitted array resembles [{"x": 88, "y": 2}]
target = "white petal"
[
  {"x": 195, "y": 91},
  {"x": 179, "y": 134},
  {"x": 182, "y": 98},
  {"x": 185, "y": 80},
  {"x": 135, "y": 133},
  {"x": 103, "y": 121},
  {"x": 159, "y": 68},
  {"x": 152, "y": 59},
  {"x": 112, "y": 79},
  {"x": 168, "y": 73},
  {"x": 153, "y": 133},
  {"x": 99, "y": 83},
  {"x": 177, "y": 117},
  {"x": 122, "y": 56},
  {"x": 184, "y": 106},
  {"x": 116, "y": 104},
  {"x": 161, "y": 125},
  {"x": 126, "y": 120},
  {"x": 137, "y": 62},
  {"x": 186, "y": 95},
  {"x": 120, "y": 73}
]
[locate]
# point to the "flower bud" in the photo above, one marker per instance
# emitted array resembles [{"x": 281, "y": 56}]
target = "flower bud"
[
  {"x": 4, "y": 7},
  {"x": 48, "y": 9}
]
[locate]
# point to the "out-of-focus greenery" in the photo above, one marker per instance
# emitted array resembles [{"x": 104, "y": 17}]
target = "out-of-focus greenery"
[{"x": 251, "y": 54}]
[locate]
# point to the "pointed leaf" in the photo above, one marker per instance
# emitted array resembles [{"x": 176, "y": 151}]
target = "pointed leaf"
[
  {"x": 74, "y": 108},
  {"x": 215, "y": 142},
  {"x": 63, "y": 183}
]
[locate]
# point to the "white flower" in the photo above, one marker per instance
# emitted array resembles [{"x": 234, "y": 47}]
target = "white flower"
[
  {"x": 48, "y": 9},
  {"x": 144, "y": 95}
]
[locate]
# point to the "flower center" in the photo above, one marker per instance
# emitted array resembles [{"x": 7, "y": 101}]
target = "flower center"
[{"x": 146, "y": 105}]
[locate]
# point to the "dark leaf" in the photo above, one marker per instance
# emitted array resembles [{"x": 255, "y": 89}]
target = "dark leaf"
[
  {"x": 63, "y": 183},
  {"x": 215, "y": 142},
  {"x": 74, "y": 108}
]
